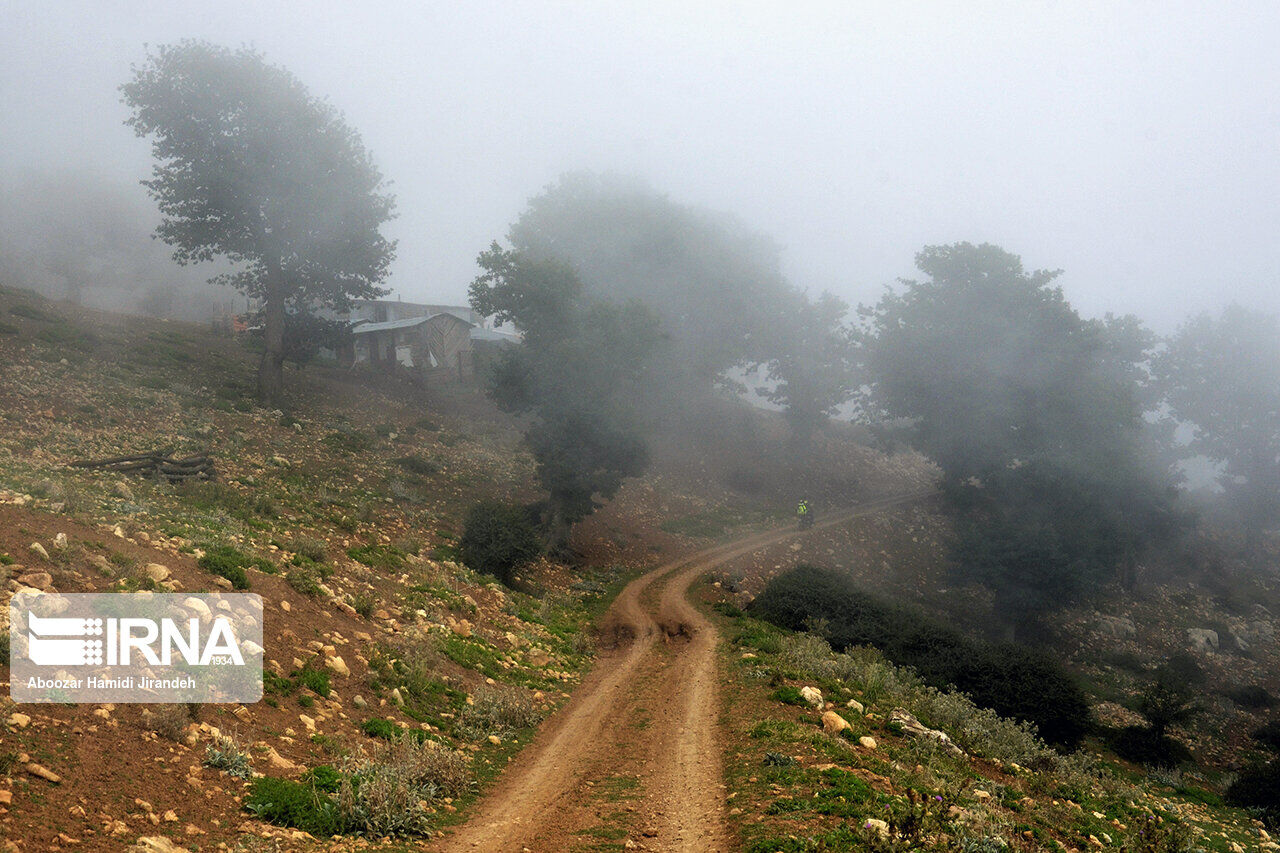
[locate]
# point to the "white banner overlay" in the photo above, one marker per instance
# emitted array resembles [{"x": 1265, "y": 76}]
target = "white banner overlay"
[{"x": 135, "y": 647}]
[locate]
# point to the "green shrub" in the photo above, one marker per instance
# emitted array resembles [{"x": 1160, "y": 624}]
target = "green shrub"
[
  {"x": 389, "y": 793},
  {"x": 313, "y": 549},
  {"x": 363, "y": 604},
  {"x": 1258, "y": 788},
  {"x": 418, "y": 465},
  {"x": 380, "y": 728},
  {"x": 228, "y": 562},
  {"x": 788, "y": 695},
  {"x": 316, "y": 680},
  {"x": 386, "y": 557},
  {"x": 8, "y": 329},
  {"x": 297, "y": 804},
  {"x": 31, "y": 313},
  {"x": 1269, "y": 736},
  {"x": 324, "y": 778},
  {"x": 303, "y": 581},
  {"x": 348, "y": 442},
  {"x": 1144, "y": 745},
  {"x": 499, "y": 539},
  {"x": 1010, "y": 679},
  {"x": 497, "y": 711}
]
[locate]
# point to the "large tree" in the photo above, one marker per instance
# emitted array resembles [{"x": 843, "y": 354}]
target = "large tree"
[
  {"x": 1035, "y": 416},
  {"x": 253, "y": 168},
  {"x": 1221, "y": 375},
  {"x": 812, "y": 367},
  {"x": 716, "y": 285},
  {"x": 578, "y": 371}
]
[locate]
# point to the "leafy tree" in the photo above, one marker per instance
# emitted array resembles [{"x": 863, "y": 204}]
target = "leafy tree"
[
  {"x": 716, "y": 286},
  {"x": 579, "y": 370},
  {"x": 1222, "y": 376},
  {"x": 813, "y": 366},
  {"x": 1168, "y": 700},
  {"x": 253, "y": 168},
  {"x": 1033, "y": 413}
]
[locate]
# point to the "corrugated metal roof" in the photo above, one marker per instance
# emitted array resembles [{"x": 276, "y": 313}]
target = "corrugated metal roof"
[{"x": 366, "y": 328}]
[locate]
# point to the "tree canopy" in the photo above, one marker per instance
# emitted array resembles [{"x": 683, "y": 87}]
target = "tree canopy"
[
  {"x": 252, "y": 168},
  {"x": 1034, "y": 414},
  {"x": 578, "y": 370},
  {"x": 714, "y": 284},
  {"x": 1221, "y": 375}
]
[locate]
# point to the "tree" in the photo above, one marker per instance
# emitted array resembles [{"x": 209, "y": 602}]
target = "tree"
[
  {"x": 1035, "y": 416},
  {"x": 578, "y": 370},
  {"x": 1222, "y": 376},
  {"x": 813, "y": 366},
  {"x": 254, "y": 169},
  {"x": 716, "y": 286}
]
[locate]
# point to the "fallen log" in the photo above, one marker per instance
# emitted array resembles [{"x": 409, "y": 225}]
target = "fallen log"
[{"x": 198, "y": 466}]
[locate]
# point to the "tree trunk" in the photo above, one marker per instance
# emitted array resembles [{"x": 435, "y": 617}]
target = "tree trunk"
[
  {"x": 271, "y": 370},
  {"x": 557, "y": 529}
]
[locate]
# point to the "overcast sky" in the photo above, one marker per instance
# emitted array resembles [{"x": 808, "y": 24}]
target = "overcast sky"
[{"x": 1131, "y": 144}]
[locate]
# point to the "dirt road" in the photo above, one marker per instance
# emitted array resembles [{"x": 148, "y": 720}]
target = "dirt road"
[{"x": 637, "y": 744}]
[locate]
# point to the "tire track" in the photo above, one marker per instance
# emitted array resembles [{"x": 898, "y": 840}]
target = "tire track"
[{"x": 534, "y": 804}]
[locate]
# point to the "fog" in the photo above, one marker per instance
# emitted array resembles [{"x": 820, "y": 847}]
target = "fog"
[{"x": 1131, "y": 145}]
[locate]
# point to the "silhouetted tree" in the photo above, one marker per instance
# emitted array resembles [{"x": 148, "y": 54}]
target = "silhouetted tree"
[
  {"x": 813, "y": 366},
  {"x": 1035, "y": 416},
  {"x": 1222, "y": 375},
  {"x": 252, "y": 168},
  {"x": 716, "y": 286},
  {"x": 578, "y": 370}
]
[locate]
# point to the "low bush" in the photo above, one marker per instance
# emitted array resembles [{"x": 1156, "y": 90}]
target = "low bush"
[
  {"x": 228, "y": 562},
  {"x": 1012, "y": 680},
  {"x": 31, "y": 312},
  {"x": 390, "y": 792},
  {"x": 1144, "y": 745},
  {"x": 303, "y": 805},
  {"x": 348, "y": 442},
  {"x": 788, "y": 695},
  {"x": 1268, "y": 736},
  {"x": 316, "y": 680},
  {"x": 497, "y": 711},
  {"x": 224, "y": 753},
  {"x": 303, "y": 581},
  {"x": 380, "y": 728},
  {"x": 1254, "y": 697},
  {"x": 168, "y": 721},
  {"x": 499, "y": 539},
  {"x": 417, "y": 465},
  {"x": 1258, "y": 788},
  {"x": 387, "y": 557},
  {"x": 313, "y": 549}
]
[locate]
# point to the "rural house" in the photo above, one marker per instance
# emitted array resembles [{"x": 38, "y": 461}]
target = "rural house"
[{"x": 437, "y": 343}]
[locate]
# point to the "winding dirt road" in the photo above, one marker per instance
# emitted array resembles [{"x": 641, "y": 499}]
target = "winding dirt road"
[{"x": 637, "y": 744}]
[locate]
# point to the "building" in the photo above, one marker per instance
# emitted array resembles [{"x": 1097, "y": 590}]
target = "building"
[{"x": 436, "y": 344}]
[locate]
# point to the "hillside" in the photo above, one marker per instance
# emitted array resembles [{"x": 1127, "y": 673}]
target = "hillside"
[{"x": 344, "y": 509}]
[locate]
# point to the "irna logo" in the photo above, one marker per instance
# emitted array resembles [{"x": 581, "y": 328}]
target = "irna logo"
[
  {"x": 135, "y": 647},
  {"x": 54, "y": 641}
]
